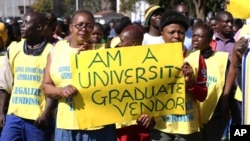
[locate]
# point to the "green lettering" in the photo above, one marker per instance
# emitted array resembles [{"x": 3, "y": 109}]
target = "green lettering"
[
  {"x": 132, "y": 108},
  {"x": 170, "y": 104},
  {"x": 159, "y": 105},
  {"x": 180, "y": 103},
  {"x": 139, "y": 74},
  {"x": 121, "y": 112},
  {"x": 149, "y": 55},
  {"x": 128, "y": 76},
  {"x": 117, "y": 55},
  {"x": 102, "y": 100},
  {"x": 147, "y": 106},
  {"x": 97, "y": 59}
]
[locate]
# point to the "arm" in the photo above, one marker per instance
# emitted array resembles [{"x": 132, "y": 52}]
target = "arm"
[
  {"x": 239, "y": 49},
  {"x": 50, "y": 90},
  {"x": 197, "y": 88},
  {"x": 6, "y": 81},
  {"x": 199, "y": 91},
  {"x": 4, "y": 100},
  {"x": 43, "y": 120}
]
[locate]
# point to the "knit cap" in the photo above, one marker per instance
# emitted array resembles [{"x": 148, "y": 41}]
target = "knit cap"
[
  {"x": 173, "y": 16},
  {"x": 150, "y": 11},
  {"x": 3, "y": 32}
]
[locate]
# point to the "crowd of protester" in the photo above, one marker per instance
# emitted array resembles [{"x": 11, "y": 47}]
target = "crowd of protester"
[{"x": 43, "y": 43}]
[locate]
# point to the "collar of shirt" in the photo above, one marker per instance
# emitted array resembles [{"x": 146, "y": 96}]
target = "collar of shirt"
[
  {"x": 36, "y": 50},
  {"x": 217, "y": 38}
]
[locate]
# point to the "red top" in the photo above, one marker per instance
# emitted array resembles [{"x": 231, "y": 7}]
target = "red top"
[
  {"x": 213, "y": 45},
  {"x": 199, "y": 89}
]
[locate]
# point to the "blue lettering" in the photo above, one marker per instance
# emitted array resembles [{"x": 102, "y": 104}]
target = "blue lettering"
[
  {"x": 178, "y": 118},
  {"x": 19, "y": 69},
  {"x": 27, "y": 91},
  {"x": 25, "y": 100},
  {"x": 189, "y": 105},
  {"x": 34, "y": 70},
  {"x": 211, "y": 79},
  {"x": 66, "y": 75},
  {"x": 29, "y": 77},
  {"x": 64, "y": 69}
]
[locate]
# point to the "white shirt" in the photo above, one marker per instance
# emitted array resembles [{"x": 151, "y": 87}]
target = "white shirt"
[{"x": 149, "y": 39}]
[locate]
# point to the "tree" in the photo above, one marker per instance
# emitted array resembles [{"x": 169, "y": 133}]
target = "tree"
[
  {"x": 42, "y": 6},
  {"x": 69, "y": 7},
  {"x": 203, "y": 7},
  {"x": 198, "y": 8}
]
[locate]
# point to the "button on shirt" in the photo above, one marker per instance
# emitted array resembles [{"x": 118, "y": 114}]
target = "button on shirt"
[{"x": 224, "y": 45}]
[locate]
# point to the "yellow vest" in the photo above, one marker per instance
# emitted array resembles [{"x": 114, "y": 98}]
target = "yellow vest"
[
  {"x": 100, "y": 46},
  {"x": 238, "y": 94},
  {"x": 125, "y": 124},
  {"x": 27, "y": 98},
  {"x": 216, "y": 70},
  {"x": 190, "y": 122},
  {"x": 68, "y": 108}
]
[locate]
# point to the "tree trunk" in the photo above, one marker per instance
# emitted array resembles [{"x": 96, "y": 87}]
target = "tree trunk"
[{"x": 200, "y": 8}]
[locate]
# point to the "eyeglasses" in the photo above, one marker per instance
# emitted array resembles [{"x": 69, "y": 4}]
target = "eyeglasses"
[{"x": 82, "y": 25}]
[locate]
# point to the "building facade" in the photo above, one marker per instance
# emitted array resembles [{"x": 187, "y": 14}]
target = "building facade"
[{"x": 14, "y": 8}]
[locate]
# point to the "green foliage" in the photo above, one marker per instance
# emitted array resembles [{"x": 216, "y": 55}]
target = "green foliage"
[
  {"x": 215, "y": 5},
  {"x": 211, "y": 5},
  {"x": 69, "y": 7},
  {"x": 125, "y": 5},
  {"x": 92, "y": 5},
  {"x": 43, "y": 6}
]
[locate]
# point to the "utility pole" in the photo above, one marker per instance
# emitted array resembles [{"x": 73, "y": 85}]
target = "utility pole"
[
  {"x": 13, "y": 9},
  {"x": 77, "y": 7},
  {"x": 24, "y": 6},
  {"x": 3, "y": 9}
]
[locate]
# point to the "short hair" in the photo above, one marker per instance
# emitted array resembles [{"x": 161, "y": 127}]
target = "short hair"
[
  {"x": 208, "y": 30},
  {"x": 220, "y": 13},
  {"x": 121, "y": 24},
  {"x": 238, "y": 23},
  {"x": 82, "y": 11},
  {"x": 37, "y": 17},
  {"x": 135, "y": 31},
  {"x": 195, "y": 21},
  {"x": 100, "y": 26},
  {"x": 173, "y": 16}
]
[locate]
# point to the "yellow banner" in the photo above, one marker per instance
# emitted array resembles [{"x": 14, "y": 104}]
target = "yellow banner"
[
  {"x": 120, "y": 84},
  {"x": 239, "y": 8}
]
